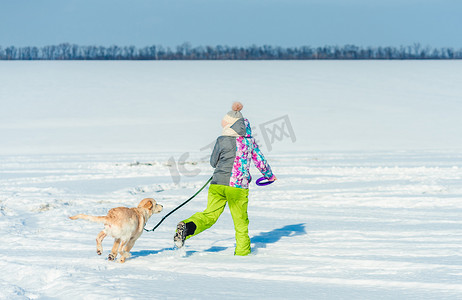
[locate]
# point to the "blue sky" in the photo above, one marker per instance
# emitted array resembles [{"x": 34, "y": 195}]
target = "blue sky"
[{"x": 436, "y": 23}]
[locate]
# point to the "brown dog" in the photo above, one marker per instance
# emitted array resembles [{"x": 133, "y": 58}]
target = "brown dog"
[{"x": 125, "y": 225}]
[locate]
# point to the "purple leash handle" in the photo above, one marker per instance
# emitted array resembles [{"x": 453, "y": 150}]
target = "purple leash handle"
[{"x": 260, "y": 181}]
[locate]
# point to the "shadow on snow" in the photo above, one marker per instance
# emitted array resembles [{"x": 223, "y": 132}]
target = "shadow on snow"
[
  {"x": 270, "y": 237},
  {"x": 150, "y": 252},
  {"x": 260, "y": 241},
  {"x": 273, "y": 236}
]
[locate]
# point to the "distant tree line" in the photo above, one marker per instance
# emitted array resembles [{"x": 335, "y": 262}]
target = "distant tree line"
[{"x": 187, "y": 52}]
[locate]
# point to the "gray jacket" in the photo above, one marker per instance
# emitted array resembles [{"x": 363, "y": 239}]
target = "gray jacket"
[{"x": 231, "y": 157}]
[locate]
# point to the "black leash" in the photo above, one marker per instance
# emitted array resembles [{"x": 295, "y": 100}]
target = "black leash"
[{"x": 208, "y": 181}]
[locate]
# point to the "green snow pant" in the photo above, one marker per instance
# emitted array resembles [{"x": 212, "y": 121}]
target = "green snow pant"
[{"x": 238, "y": 201}]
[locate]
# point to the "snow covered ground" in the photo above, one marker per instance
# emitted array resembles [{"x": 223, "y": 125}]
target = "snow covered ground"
[{"x": 367, "y": 205}]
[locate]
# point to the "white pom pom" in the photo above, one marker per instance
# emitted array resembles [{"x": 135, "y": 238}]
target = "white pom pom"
[{"x": 237, "y": 106}]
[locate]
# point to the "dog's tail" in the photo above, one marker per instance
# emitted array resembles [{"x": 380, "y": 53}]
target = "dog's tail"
[{"x": 89, "y": 218}]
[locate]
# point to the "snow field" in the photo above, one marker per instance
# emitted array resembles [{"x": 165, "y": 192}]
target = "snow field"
[
  {"x": 367, "y": 205},
  {"x": 334, "y": 226}
]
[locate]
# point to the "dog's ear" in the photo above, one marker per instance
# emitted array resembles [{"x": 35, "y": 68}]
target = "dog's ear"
[{"x": 147, "y": 203}]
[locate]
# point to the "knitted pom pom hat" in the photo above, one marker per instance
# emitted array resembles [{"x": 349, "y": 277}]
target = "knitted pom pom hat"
[
  {"x": 233, "y": 115},
  {"x": 233, "y": 122}
]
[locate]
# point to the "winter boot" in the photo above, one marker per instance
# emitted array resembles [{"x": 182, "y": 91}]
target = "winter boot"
[{"x": 180, "y": 234}]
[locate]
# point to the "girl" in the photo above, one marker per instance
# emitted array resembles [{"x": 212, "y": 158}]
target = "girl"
[{"x": 231, "y": 158}]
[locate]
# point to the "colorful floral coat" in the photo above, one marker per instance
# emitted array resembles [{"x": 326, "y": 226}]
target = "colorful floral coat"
[{"x": 231, "y": 157}]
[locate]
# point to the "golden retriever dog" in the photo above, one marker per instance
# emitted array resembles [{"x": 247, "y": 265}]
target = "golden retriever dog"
[{"x": 125, "y": 225}]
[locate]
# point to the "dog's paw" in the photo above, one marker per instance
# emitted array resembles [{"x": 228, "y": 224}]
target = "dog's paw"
[
  {"x": 111, "y": 257},
  {"x": 121, "y": 260}
]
